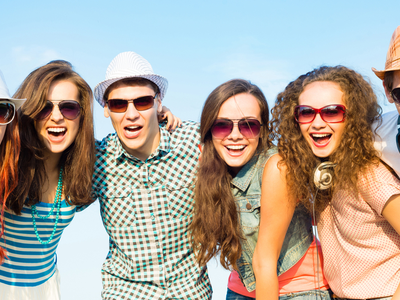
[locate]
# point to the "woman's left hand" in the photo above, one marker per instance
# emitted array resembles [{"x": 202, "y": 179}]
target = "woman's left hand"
[{"x": 172, "y": 121}]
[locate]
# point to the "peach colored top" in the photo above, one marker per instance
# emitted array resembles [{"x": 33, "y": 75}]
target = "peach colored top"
[
  {"x": 301, "y": 277},
  {"x": 361, "y": 249}
]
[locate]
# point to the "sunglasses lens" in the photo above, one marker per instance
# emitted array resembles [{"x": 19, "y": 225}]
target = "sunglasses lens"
[
  {"x": 221, "y": 128},
  {"x": 396, "y": 95},
  {"x": 333, "y": 114},
  {"x": 46, "y": 111},
  {"x": 304, "y": 114},
  {"x": 117, "y": 105},
  {"x": 249, "y": 128},
  {"x": 70, "y": 109},
  {"x": 7, "y": 112},
  {"x": 144, "y": 103}
]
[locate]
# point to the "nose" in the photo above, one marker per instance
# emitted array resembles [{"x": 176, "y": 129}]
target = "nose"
[
  {"x": 56, "y": 114},
  {"x": 235, "y": 134},
  {"x": 318, "y": 123},
  {"x": 131, "y": 112}
]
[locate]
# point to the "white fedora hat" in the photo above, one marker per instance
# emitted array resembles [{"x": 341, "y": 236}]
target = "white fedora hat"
[
  {"x": 5, "y": 95},
  {"x": 129, "y": 65}
]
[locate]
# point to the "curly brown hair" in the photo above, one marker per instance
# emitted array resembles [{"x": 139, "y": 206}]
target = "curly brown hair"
[
  {"x": 215, "y": 227},
  {"x": 77, "y": 160},
  {"x": 356, "y": 151}
]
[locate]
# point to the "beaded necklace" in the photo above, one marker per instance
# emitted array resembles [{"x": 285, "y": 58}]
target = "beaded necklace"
[{"x": 56, "y": 204}]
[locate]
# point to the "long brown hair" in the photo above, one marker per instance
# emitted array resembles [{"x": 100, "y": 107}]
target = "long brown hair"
[
  {"x": 9, "y": 155},
  {"x": 356, "y": 151},
  {"x": 77, "y": 160},
  {"x": 215, "y": 226}
]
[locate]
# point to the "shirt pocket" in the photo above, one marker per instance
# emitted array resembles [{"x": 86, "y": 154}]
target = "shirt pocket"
[
  {"x": 249, "y": 214},
  {"x": 180, "y": 200},
  {"x": 117, "y": 206}
]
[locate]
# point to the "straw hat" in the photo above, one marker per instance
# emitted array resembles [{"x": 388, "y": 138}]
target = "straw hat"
[
  {"x": 393, "y": 55},
  {"x": 129, "y": 65},
  {"x": 5, "y": 95}
]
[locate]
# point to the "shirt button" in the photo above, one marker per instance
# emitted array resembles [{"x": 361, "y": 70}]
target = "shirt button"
[{"x": 152, "y": 216}]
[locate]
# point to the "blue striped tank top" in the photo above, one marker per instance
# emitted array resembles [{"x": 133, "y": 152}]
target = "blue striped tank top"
[{"x": 29, "y": 263}]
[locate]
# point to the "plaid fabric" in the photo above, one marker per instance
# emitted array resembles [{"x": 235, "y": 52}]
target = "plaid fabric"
[{"x": 146, "y": 207}]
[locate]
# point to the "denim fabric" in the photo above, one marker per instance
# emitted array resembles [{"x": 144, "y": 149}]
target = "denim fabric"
[
  {"x": 307, "y": 295},
  {"x": 246, "y": 188},
  {"x": 231, "y": 295}
]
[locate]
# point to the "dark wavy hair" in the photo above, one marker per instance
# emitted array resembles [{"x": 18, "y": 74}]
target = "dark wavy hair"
[
  {"x": 356, "y": 151},
  {"x": 9, "y": 155},
  {"x": 215, "y": 227},
  {"x": 77, "y": 160}
]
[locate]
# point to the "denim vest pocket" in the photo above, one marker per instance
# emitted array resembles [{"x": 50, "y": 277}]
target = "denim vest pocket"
[{"x": 249, "y": 214}]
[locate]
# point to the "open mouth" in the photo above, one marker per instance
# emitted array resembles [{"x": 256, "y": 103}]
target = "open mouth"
[
  {"x": 321, "y": 138},
  {"x": 133, "y": 128},
  {"x": 235, "y": 148},
  {"x": 57, "y": 132}
]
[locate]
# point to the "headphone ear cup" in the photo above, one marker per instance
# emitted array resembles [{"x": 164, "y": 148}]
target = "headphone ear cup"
[{"x": 323, "y": 175}]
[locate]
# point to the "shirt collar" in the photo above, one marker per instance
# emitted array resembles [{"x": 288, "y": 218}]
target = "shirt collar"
[{"x": 246, "y": 174}]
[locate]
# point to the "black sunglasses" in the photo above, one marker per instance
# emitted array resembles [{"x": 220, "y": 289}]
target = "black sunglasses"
[
  {"x": 395, "y": 93},
  {"x": 7, "y": 112},
  {"x": 70, "y": 109},
  {"x": 398, "y": 134},
  {"x": 121, "y": 105}
]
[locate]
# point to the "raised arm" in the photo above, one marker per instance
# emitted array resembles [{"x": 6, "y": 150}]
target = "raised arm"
[
  {"x": 277, "y": 209},
  {"x": 391, "y": 213}
]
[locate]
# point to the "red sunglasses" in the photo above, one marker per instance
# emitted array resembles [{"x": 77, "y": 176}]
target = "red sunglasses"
[{"x": 334, "y": 113}]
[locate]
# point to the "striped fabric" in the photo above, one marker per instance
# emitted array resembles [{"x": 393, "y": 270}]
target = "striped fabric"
[
  {"x": 30, "y": 263},
  {"x": 146, "y": 207}
]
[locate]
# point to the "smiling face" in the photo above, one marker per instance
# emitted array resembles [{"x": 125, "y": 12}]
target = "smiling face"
[
  {"x": 235, "y": 149},
  {"x": 323, "y": 138},
  {"x": 138, "y": 131},
  {"x": 55, "y": 132}
]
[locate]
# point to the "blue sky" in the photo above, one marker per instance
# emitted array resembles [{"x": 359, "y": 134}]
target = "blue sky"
[{"x": 196, "y": 45}]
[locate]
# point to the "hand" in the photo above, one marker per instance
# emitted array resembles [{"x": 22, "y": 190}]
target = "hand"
[{"x": 172, "y": 121}]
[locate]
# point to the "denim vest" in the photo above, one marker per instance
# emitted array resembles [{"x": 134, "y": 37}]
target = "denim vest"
[{"x": 246, "y": 188}]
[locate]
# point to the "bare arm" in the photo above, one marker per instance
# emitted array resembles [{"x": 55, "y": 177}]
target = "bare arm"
[
  {"x": 277, "y": 210},
  {"x": 391, "y": 213}
]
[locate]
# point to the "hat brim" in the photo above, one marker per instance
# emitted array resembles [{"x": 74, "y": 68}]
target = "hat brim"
[
  {"x": 17, "y": 102},
  {"x": 381, "y": 74},
  {"x": 158, "y": 80}
]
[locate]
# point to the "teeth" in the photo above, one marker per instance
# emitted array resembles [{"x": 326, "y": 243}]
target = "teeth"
[
  {"x": 320, "y": 135},
  {"x": 56, "y": 129},
  {"x": 236, "y": 147},
  {"x": 133, "y": 127}
]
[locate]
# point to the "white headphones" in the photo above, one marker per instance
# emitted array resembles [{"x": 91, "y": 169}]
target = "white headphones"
[{"x": 323, "y": 175}]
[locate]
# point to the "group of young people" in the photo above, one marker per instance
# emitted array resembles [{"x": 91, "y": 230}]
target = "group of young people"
[{"x": 238, "y": 184}]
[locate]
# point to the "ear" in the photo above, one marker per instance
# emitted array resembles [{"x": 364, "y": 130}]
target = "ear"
[
  {"x": 106, "y": 111},
  {"x": 159, "y": 106},
  {"x": 388, "y": 96}
]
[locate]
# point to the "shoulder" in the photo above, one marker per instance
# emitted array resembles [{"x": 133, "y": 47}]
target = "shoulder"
[
  {"x": 106, "y": 143},
  {"x": 273, "y": 167},
  {"x": 388, "y": 122}
]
